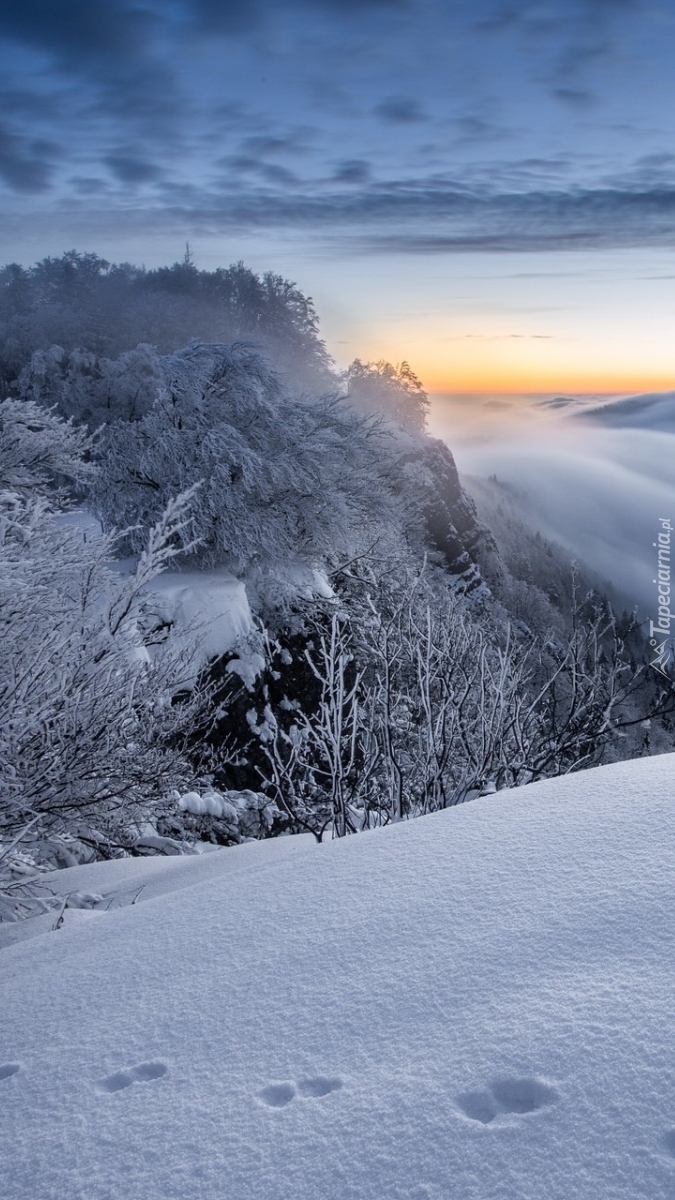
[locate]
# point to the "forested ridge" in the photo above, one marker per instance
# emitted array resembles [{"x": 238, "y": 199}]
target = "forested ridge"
[{"x": 399, "y": 656}]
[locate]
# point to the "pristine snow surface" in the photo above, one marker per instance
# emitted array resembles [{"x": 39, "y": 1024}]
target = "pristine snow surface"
[
  {"x": 477, "y": 1004},
  {"x": 214, "y": 602}
]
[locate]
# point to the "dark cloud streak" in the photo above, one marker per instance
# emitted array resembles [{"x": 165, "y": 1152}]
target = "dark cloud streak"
[
  {"x": 408, "y": 219},
  {"x": 25, "y": 166},
  {"x": 128, "y": 168},
  {"x": 399, "y": 110},
  {"x": 78, "y": 30},
  {"x": 241, "y": 16}
]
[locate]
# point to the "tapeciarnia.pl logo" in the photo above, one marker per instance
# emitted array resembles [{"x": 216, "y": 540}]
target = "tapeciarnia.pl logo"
[{"x": 659, "y": 630}]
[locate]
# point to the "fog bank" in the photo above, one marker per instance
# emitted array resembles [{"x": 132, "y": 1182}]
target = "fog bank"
[{"x": 597, "y": 479}]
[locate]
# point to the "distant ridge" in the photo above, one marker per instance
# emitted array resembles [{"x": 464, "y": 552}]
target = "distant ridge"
[{"x": 653, "y": 410}]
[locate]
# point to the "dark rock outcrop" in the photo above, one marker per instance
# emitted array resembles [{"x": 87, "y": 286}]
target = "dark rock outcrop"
[{"x": 450, "y": 514}]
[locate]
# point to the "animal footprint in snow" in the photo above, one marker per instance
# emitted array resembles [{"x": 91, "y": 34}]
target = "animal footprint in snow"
[
  {"x": 506, "y": 1095},
  {"x": 319, "y": 1086},
  {"x": 142, "y": 1073},
  {"x": 9, "y": 1069},
  {"x": 478, "y": 1106},
  {"x": 522, "y": 1095},
  {"x": 278, "y": 1095}
]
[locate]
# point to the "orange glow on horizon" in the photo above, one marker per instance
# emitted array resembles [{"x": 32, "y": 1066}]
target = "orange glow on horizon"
[
  {"x": 577, "y": 351},
  {"x": 611, "y": 370},
  {"x": 481, "y": 383}
]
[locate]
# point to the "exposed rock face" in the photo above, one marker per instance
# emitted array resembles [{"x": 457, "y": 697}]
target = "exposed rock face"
[{"x": 450, "y": 514}]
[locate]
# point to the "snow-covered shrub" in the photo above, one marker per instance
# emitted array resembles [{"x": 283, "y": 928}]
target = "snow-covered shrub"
[
  {"x": 420, "y": 699},
  {"x": 38, "y": 449},
  {"x": 225, "y": 817},
  {"x": 90, "y": 727},
  {"x": 25, "y": 858},
  {"x": 280, "y": 478}
]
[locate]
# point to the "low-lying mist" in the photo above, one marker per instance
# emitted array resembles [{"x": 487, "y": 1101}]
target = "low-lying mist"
[{"x": 595, "y": 478}]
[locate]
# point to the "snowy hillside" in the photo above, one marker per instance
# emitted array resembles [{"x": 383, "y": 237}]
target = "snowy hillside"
[{"x": 473, "y": 1005}]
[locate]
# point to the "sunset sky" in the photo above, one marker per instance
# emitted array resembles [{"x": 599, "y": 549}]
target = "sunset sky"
[{"x": 483, "y": 187}]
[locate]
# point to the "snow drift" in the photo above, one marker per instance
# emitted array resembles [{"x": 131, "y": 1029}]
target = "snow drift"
[{"x": 476, "y": 1005}]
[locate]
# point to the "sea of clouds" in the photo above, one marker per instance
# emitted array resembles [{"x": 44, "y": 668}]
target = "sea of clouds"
[{"x": 598, "y": 478}]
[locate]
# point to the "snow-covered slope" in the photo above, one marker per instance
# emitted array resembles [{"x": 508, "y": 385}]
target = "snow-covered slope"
[{"x": 476, "y": 1005}]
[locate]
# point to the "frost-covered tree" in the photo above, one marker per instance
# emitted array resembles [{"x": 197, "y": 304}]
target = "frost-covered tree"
[
  {"x": 58, "y": 301},
  {"x": 90, "y": 733},
  {"x": 394, "y": 391},
  {"x": 280, "y": 478},
  {"x": 93, "y": 390},
  {"x": 81, "y": 302}
]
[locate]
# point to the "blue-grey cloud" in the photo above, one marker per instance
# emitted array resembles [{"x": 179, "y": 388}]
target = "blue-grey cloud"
[
  {"x": 352, "y": 171},
  {"x": 399, "y": 110},
  {"x": 155, "y": 93},
  {"x": 471, "y": 128},
  {"x": 88, "y": 185},
  {"x": 25, "y": 166},
  {"x": 544, "y": 19},
  {"x": 275, "y": 174},
  {"x": 107, "y": 49},
  {"x": 129, "y": 168},
  {"x": 78, "y": 30},
  {"x": 425, "y": 219},
  {"x": 81, "y": 31},
  {"x": 258, "y": 154},
  {"x": 240, "y": 16},
  {"x": 575, "y": 35},
  {"x": 21, "y": 102},
  {"x": 229, "y": 16},
  {"x": 577, "y": 97}
]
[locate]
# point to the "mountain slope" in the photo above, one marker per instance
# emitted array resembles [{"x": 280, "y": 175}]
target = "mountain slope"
[{"x": 477, "y": 1005}]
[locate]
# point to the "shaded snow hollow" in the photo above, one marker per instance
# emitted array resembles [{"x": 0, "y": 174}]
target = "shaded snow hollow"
[
  {"x": 479, "y": 1004},
  {"x": 212, "y": 605}
]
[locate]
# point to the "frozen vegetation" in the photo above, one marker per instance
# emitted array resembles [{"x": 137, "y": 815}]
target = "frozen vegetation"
[{"x": 231, "y": 573}]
